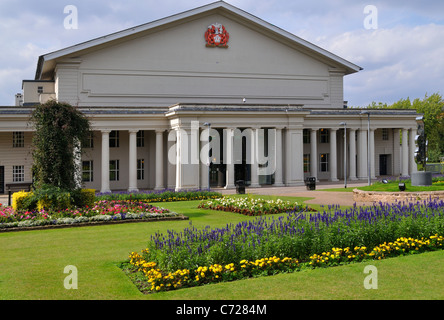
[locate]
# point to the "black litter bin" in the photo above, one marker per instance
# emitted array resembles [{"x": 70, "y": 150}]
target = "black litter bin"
[
  {"x": 310, "y": 183},
  {"x": 240, "y": 187}
]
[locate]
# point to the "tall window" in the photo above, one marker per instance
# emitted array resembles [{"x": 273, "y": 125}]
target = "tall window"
[
  {"x": 114, "y": 139},
  {"x": 87, "y": 171},
  {"x": 140, "y": 138},
  {"x": 307, "y": 162},
  {"x": 18, "y": 139},
  {"x": 18, "y": 173},
  {"x": 306, "y": 136},
  {"x": 323, "y": 162},
  {"x": 140, "y": 169},
  {"x": 89, "y": 143},
  {"x": 324, "y": 136},
  {"x": 385, "y": 134},
  {"x": 114, "y": 170}
]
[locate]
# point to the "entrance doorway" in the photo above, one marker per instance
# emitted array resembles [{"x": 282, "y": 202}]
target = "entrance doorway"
[{"x": 385, "y": 164}]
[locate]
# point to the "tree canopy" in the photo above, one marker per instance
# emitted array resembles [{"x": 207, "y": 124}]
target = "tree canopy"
[{"x": 432, "y": 107}]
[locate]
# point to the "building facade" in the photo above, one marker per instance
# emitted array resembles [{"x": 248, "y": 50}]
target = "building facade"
[{"x": 272, "y": 103}]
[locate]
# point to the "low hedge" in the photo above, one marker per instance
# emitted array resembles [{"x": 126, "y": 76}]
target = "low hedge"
[{"x": 52, "y": 198}]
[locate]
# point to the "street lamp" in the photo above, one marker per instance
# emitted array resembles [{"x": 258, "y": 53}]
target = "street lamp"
[
  {"x": 368, "y": 146},
  {"x": 345, "y": 153},
  {"x": 207, "y": 124}
]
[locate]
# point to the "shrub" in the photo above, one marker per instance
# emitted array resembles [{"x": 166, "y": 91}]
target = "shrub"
[
  {"x": 18, "y": 199},
  {"x": 83, "y": 197}
]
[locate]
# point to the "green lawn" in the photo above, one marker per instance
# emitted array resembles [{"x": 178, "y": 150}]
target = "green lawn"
[
  {"x": 32, "y": 264},
  {"x": 394, "y": 187}
]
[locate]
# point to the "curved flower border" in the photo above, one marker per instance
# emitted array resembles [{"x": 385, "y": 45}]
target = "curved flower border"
[{"x": 156, "y": 280}]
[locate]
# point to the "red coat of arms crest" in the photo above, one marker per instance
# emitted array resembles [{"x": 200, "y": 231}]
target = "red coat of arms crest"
[{"x": 217, "y": 36}]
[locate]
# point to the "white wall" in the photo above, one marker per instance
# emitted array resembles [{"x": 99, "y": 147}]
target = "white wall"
[{"x": 174, "y": 65}]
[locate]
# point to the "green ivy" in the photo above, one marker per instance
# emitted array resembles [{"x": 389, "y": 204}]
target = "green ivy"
[{"x": 59, "y": 129}]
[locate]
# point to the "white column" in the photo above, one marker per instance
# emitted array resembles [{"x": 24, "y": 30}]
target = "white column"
[
  {"x": 159, "y": 160},
  {"x": 396, "y": 153},
  {"x": 205, "y": 159},
  {"x": 362, "y": 154},
  {"x": 352, "y": 155},
  {"x": 333, "y": 155},
  {"x": 229, "y": 158},
  {"x": 105, "y": 162},
  {"x": 294, "y": 162},
  {"x": 372, "y": 154},
  {"x": 405, "y": 153},
  {"x": 132, "y": 161},
  {"x": 254, "y": 159},
  {"x": 412, "y": 147},
  {"x": 314, "y": 153},
  {"x": 278, "y": 182},
  {"x": 171, "y": 166}
]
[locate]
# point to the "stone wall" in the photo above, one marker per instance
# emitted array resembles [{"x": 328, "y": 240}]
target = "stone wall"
[{"x": 390, "y": 197}]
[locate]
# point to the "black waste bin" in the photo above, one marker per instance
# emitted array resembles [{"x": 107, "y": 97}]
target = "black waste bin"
[
  {"x": 310, "y": 183},
  {"x": 240, "y": 187}
]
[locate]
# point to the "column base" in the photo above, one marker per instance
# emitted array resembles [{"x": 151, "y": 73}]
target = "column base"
[
  {"x": 133, "y": 190},
  {"x": 105, "y": 191},
  {"x": 230, "y": 186},
  {"x": 334, "y": 180},
  {"x": 158, "y": 188},
  {"x": 280, "y": 184},
  {"x": 256, "y": 185}
]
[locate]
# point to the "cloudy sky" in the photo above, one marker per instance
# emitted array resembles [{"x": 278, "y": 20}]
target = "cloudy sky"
[{"x": 399, "y": 43}]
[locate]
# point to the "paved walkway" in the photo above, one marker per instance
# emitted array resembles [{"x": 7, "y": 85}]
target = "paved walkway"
[{"x": 319, "y": 196}]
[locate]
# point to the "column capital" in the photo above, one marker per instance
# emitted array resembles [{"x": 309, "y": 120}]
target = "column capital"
[
  {"x": 105, "y": 130},
  {"x": 159, "y": 130},
  {"x": 133, "y": 130}
]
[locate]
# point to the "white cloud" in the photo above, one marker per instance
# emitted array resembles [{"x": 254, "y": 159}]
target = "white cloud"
[
  {"x": 398, "y": 63},
  {"x": 403, "y": 58}
]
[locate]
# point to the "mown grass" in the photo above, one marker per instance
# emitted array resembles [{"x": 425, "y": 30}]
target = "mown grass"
[
  {"x": 32, "y": 267},
  {"x": 394, "y": 187}
]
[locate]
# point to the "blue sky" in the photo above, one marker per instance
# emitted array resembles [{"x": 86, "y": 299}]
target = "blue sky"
[{"x": 403, "y": 57}]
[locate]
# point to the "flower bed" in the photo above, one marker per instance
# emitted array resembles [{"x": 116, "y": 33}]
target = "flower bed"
[
  {"x": 102, "y": 211},
  {"x": 293, "y": 238},
  {"x": 166, "y": 195},
  {"x": 154, "y": 279},
  {"x": 252, "y": 206}
]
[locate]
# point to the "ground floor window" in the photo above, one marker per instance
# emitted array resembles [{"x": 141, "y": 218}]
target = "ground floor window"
[
  {"x": 323, "y": 162},
  {"x": 306, "y": 162},
  {"x": 18, "y": 173},
  {"x": 114, "y": 170},
  {"x": 140, "y": 169},
  {"x": 87, "y": 171}
]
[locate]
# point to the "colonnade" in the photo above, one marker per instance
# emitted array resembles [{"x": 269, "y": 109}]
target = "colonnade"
[{"x": 285, "y": 156}]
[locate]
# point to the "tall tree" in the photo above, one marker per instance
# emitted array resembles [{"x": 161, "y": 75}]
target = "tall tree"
[
  {"x": 432, "y": 107},
  {"x": 59, "y": 128}
]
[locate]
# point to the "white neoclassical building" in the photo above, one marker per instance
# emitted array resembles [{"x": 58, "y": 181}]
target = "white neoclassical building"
[{"x": 272, "y": 102}]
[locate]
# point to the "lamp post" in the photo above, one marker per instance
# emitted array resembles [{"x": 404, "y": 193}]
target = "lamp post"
[
  {"x": 345, "y": 153},
  {"x": 207, "y": 124},
  {"x": 368, "y": 146}
]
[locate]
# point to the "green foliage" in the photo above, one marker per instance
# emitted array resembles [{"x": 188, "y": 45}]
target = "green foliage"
[
  {"x": 59, "y": 128},
  {"x": 52, "y": 198},
  {"x": 160, "y": 196},
  {"x": 432, "y": 107}
]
